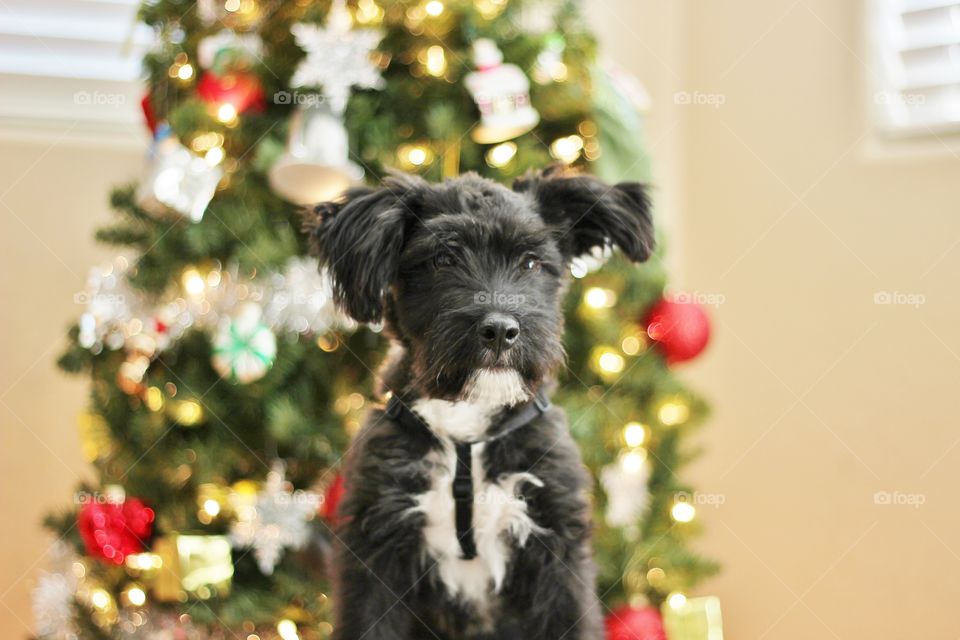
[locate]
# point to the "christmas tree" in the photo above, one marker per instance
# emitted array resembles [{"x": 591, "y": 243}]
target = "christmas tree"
[{"x": 226, "y": 386}]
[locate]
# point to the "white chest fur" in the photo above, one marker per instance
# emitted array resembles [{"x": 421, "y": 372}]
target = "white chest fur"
[{"x": 500, "y": 519}]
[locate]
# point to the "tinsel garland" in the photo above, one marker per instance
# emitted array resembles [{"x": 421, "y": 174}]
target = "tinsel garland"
[{"x": 296, "y": 300}]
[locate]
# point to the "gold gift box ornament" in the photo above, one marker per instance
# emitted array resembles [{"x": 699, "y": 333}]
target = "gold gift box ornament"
[
  {"x": 693, "y": 618},
  {"x": 193, "y": 566}
]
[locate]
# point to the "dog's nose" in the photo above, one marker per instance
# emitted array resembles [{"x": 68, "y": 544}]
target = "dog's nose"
[{"x": 499, "y": 331}]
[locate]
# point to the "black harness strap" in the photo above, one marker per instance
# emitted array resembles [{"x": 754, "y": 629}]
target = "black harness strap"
[
  {"x": 463, "y": 475},
  {"x": 463, "y": 500}
]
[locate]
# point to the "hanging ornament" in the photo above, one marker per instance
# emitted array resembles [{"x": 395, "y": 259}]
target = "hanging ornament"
[
  {"x": 502, "y": 94},
  {"x": 331, "y": 500},
  {"x": 196, "y": 566},
  {"x": 53, "y": 605},
  {"x": 244, "y": 347},
  {"x": 338, "y": 57},
  {"x": 53, "y": 596},
  {"x": 301, "y": 299},
  {"x": 635, "y": 623},
  {"x": 625, "y": 483},
  {"x": 108, "y": 297},
  {"x": 316, "y": 166},
  {"x": 693, "y": 618},
  {"x": 276, "y": 521},
  {"x": 242, "y": 91},
  {"x": 680, "y": 329},
  {"x": 177, "y": 179},
  {"x": 227, "y": 50},
  {"x": 114, "y": 528},
  {"x": 149, "y": 115}
]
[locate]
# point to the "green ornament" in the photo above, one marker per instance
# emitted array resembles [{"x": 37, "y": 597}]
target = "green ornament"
[{"x": 244, "y": 347}]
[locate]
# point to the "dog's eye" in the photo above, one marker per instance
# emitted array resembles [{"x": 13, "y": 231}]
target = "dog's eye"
[
  {"x": 443, "y": 259},
  {"x": 530, "y": 262}
]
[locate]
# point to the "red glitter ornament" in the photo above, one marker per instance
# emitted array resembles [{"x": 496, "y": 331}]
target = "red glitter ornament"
[
  {"x": 240, "y": 89},
  {"x": 635, "y": 623},
  {"x": 113, "y": 530},
  {"x": 680, "y": 329}
]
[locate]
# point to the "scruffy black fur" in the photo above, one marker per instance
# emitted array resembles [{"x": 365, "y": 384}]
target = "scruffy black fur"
[{"x": 433, "y": 262}]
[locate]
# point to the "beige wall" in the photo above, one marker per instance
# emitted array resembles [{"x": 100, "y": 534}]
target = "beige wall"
[
  {"x": 53, "y": 192},
  {"x": 821, "y": 397}
]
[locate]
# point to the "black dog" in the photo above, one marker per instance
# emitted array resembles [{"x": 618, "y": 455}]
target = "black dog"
[{"x": 466, "y": 514}]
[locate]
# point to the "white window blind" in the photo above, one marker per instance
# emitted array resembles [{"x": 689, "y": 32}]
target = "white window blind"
[
  {"x": 916, "y": 50},
  {"x": 72, "y": 61}
]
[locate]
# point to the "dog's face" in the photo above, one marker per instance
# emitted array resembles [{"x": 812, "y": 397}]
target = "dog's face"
[{"x": 467, "y": 274}]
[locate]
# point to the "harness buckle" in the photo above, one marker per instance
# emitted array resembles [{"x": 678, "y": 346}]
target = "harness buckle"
[
  {"x": 541, "y": 401},
  {"x": 462, "y": 489}
]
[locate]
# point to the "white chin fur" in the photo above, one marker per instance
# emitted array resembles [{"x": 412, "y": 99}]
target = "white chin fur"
[
  {"x": 495, "y": 388},
  {"x": 487, "y": 392}
]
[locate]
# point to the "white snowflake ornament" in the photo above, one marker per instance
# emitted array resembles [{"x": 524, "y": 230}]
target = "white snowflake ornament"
[
  {"x": 338, "y": 57},
  {"x": 277, "y": 520},
  {"x": 53, "y": 596},
  {"x": 625, "y": 483},
  {"x": 301, "y": 299}
]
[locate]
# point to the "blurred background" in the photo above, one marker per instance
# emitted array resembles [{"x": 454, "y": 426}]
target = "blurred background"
[{"x": 815, "y": 208}]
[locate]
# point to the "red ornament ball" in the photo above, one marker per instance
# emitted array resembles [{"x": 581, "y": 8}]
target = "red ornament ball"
[
  {"x": 242, "y": 90},
  {"x": 113, "y": 530},
  {"x": 635, "y": 623},
  {"x": 680, "y": 328},
  {"x": 331, "y": 500}
]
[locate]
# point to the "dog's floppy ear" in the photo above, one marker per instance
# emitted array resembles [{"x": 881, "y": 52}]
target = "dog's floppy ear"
[
  {"x": 590, "y": 214},
  {"x": 359, "y": 237}
]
